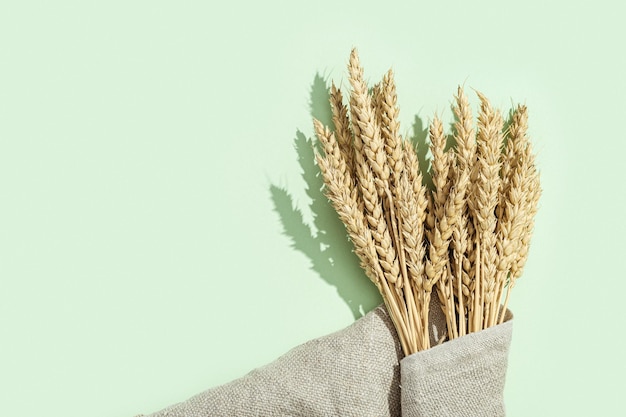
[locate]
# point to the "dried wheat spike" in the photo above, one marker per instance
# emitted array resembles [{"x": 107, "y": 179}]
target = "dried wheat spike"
[
  {"x": 452, "y": 212},
  {"x": 390, "y": 126},
  {"x": 441, "y": 161},
  {"x": 415, "y": 178},
  {"x": 511, "y": 207},
  {"x": 370, "y": 175},
  {"x": 531, "y": 188},
  {"x": 344, "y": 198},
  {"x": 365, "y": 117},
  {"x": 464, "y": 137},
  {"x": 483, "y": 204},
  {"x": 522, "y": 197},
  {"x": 342, "y": 127},
  {"x": 372, "y": 187},
  {"x": 463, "y": 236}
]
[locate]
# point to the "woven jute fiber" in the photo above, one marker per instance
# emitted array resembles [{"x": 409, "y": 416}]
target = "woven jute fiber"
[
  {"x": 353, "y": 372},
  {"x": 463, "y": 377},
  {"x": 356, "y": 372}
]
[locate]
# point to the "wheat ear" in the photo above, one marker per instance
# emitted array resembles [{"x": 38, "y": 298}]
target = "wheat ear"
[
  {"x": 342, "y": 127},
  {"x": 452, "y": 213},
  {"x": 390, "y": 125},
  {"x": 462, "y": 235},
  {"x": 483, "y": 202},
  {"x": 344, "y": 197},
  {"x": 342, "y": 194},
  {"x": 405, "y": 211},
  {"x": 523, "y": 196},
  {"x": 373, "y": 179}
]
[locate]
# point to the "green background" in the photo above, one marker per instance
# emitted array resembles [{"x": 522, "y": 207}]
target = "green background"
[{"x": 149, "y": 175}]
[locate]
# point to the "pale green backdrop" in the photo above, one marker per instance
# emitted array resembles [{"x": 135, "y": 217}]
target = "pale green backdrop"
[{"x": 149, "y": 247}]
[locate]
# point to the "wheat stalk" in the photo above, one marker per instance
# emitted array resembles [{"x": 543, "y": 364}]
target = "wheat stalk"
[{"x": 412, "y": 205}]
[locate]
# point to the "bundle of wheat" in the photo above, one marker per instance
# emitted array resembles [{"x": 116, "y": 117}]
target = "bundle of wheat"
[{"x": 466, "y": 238}]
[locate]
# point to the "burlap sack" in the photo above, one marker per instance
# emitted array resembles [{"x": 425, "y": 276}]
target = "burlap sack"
[
  {"x": 463, "y": 377},
  {"x": 356, "y": 372},
  {"x": 353, "y": 372}
]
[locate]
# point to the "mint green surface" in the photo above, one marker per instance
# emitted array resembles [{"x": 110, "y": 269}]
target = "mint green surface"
[{"x": 150, "y": 246}]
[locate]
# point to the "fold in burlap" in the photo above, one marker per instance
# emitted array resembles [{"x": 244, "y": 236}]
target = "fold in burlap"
[{"x": 356, "y": 372}]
